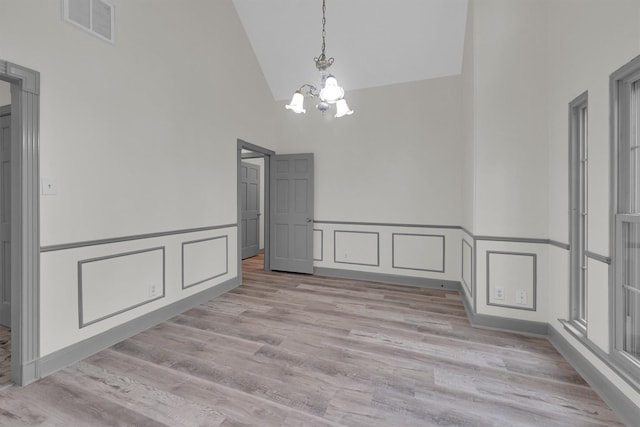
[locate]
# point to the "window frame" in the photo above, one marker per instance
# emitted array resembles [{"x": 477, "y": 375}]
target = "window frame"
[
  {"x": 578, "y": 210},
  {"x": 622, "y": 88}
]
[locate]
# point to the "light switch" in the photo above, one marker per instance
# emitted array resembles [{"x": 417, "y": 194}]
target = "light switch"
[{"x": 49, "y": 187}]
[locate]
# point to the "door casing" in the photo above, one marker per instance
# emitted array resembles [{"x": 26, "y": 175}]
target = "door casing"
[{"x": 25, "y": 227}]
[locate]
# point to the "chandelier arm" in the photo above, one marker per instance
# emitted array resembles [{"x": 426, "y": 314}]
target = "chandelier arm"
[{"x": 309, "y": 90}]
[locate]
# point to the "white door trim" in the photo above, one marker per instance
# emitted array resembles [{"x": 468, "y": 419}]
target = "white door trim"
[{"x": 25, "y": 227}]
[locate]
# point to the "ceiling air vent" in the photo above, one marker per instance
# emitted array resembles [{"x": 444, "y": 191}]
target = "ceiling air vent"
[{"x": 93, "y": 16}]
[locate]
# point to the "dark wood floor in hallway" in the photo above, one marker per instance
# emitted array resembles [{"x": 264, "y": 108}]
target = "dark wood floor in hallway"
[{"x": 296, "y": 350}]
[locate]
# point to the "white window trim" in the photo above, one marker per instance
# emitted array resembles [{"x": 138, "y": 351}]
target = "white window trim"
[
  {"x": 578, "y": 223},
  {"x": 620, "y": 87}
]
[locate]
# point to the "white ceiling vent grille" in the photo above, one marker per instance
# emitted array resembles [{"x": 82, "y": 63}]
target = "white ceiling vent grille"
[{"x": 93, "y": 16}]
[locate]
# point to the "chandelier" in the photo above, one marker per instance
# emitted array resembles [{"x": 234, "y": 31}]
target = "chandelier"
[{"x": 329, "y": 92}]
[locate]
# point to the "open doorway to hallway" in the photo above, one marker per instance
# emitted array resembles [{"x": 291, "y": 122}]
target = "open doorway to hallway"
[{"x": 254, "y": 225}]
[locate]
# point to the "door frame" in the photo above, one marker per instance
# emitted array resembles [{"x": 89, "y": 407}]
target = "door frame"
[
  {"x": 268, "y": 157},
  {"x": 25, "y": 221}
]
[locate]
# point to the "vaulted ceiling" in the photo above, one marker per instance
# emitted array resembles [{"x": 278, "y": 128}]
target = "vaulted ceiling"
[{"x": 374, "y": 42}]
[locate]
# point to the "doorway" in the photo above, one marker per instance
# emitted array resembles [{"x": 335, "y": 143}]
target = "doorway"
[
  {"x": 24, "y": 231},
  {"x": 257, "y": 156}
]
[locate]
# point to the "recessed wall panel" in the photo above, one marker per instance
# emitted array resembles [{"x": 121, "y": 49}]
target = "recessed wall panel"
[
  {"x": 422, "y": 252},
  {"x": 512, "y": 279},
  {"x": 204, "y": 260},
  {"x": 467, "y": 266},
  {"x": 355, "y": 247},
  {"x": 318, "y": 245},
  {"x": 113, "y": 284}
]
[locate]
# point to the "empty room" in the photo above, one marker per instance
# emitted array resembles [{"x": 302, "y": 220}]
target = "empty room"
[{"x": 320, "y": 212}]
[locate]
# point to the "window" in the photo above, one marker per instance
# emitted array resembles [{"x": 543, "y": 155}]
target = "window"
[
  {"x": 625, "y": 87},
  {"x": 578, "y": 143}
]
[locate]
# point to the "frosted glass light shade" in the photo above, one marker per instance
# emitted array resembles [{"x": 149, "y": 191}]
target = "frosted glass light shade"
[
  {"x": 342, "y": 109},
  {"x": 297, "y": 103},
  {"x": 331, "y": 92}
]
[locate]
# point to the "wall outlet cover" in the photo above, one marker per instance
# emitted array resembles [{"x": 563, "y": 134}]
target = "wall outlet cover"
[
  {"x": 521, "y": 297},
  {"x": 498, "y": 293}
]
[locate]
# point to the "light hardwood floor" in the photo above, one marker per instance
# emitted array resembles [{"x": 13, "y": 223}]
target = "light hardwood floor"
[{"x": 296, "y": 350}]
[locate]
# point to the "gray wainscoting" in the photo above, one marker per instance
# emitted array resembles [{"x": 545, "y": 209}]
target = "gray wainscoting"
[
  {"x": 533, "y": 278},
  {"x": 368, "y": 259},
  {"x": 436, "y": 265},
  {"x": 318, "y": 235},
  {"x": 91, "y": 287},
  {"x": 466, "y": 275},
  {"x": 201, "y": 254}
]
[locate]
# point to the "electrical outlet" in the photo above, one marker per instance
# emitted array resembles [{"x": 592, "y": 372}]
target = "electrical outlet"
[
  {"x": 152, "y": 290},
  {"x": 498, "y": 293},
  {"x": 521, "y": 297}
]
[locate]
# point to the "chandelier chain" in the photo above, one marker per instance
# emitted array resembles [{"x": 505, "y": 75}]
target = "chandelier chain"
[
  {"x": 324, "y": 23},
  {"x": 322, "y": 63}
]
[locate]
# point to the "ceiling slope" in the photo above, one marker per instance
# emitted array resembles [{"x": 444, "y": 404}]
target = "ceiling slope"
[{"x": 374, "y": 42}]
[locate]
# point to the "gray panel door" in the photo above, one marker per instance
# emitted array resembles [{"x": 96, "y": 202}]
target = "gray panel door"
[
  {"x": 250, "y": 209},
  {"x": 292, "y": 213},
  {"x": 5, "y": 220}
]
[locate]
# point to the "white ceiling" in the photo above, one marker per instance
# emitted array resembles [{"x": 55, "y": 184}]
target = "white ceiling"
[{"x": 374, "y": 42}]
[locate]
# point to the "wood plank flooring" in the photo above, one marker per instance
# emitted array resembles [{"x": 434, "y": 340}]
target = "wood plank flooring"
[{"x": 296, "y": 350}]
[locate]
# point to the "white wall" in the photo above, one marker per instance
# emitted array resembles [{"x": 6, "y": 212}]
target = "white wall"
[
  {"x": 510, "y": 121},
  {"x": 588, "y": 40},
  {"x": 530, "y": 59},
  {"x": 5, "y": 93},
  {"x": 468, "y": 116},
  {"x": 396, "y": 160},
  {"x": 140, "y": 137}
]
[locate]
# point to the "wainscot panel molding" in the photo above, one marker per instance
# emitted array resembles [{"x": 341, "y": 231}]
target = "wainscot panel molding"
[
  {"x": 318, "y": 244},
  {"x": 420, "y": 252},
  {"x": 598, "y": 257},
  {"x": 116, "y": 283},
  {"x": 466, "y": 276},
  {"x": 83, "y": 349},
  {"x": 204, "y": 260},
  {"x": 64, "y": 246},
  {"x": 391, "y": 250},
  {"x": 509, "y": 268},
  {"x": 118, "y": 280},
  {"x": 356, "y": 247}
]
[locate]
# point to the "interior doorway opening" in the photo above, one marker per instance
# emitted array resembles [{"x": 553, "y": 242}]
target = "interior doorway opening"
[{"x": 251, "y": 154}]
